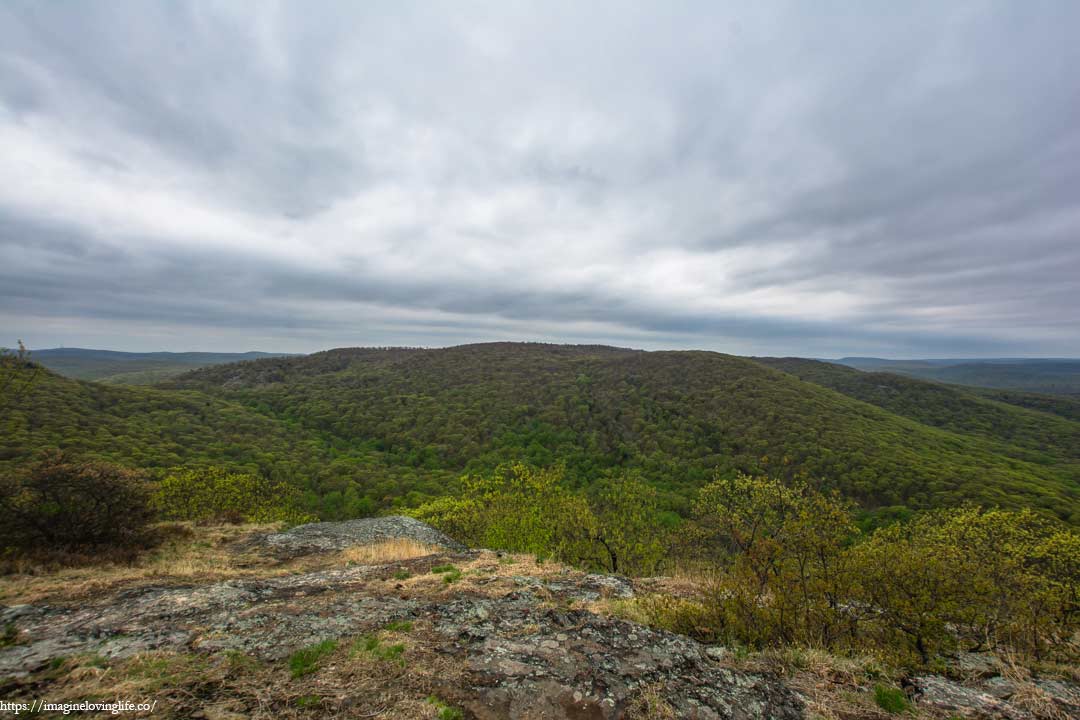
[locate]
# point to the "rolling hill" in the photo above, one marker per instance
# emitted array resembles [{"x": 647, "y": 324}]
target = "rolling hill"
[{"x": 364, "y": 428}]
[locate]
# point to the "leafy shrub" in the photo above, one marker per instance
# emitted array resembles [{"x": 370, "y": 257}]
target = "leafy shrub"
[
  {"x": 630, "y": 527},
  {"x": 521, "y": 509},
  {"x": 795, "y": 570},
  {"x": 617, "y": 526},
  {"x": 63, "y": 504},
  {"x": 981, "y": 578},
  {"x": 214, "y": 494}
]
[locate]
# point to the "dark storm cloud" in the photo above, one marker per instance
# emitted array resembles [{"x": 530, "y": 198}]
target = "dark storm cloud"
[{"x": 785, "y": 178}]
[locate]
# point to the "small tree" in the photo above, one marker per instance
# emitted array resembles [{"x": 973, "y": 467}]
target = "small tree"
[
  {"x": 630, "y": 526},
  {"x": 783, "y": 547}
]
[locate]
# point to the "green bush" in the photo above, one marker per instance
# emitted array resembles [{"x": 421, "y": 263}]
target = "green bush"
[
  {"x": 214, "y": 494},
  {"x": 61, "y": 504},
  {"x": 981, "y": 579},
  {"x": 521, "y": 509}
]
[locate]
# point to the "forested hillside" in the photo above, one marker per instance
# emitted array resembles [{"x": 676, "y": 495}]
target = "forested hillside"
[
  {"x": 360, "y": 429},
  {"x": 674, "y": 416},
  {"x": 988, "y": 415}
]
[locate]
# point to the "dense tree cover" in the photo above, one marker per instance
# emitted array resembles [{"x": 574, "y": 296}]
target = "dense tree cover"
[
  {"x": 363, "y": 430},
  {"x": 1066, "y": 407},
  {"x": 17, "y": 374},
  {"x": 157, "y": 430},
  {"x": 675, "y": 417}
]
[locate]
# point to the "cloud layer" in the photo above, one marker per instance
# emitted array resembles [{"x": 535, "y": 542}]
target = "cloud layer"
[{"x": 773, "y": 178}]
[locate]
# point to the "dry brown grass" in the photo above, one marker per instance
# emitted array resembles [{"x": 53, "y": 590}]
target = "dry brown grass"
[
  {"x": 189, "y": 553},
  {"x": 649, "y": 704},
  {"x": 388, "y": 551},
  {"x": 1029, "y": 696}
]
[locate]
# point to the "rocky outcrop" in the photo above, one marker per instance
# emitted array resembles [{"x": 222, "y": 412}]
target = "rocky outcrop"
[
  {"x": 523, "y": 646},
  {"x": 575, "y": 664}
]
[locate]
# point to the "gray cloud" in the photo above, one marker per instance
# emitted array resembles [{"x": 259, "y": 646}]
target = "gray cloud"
[{"x": 783, "y": 178}]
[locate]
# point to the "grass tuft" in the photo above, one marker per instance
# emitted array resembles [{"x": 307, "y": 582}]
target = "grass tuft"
[
  {"x": 306, "y": 661},
  {"x": 371, "y": 645},
  {"x": 450, "y": 573}
]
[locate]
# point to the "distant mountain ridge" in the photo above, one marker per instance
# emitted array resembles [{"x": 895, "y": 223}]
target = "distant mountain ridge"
[
  {"x": 1054, "y": 376},
  {"x": 131, "y": 368}
]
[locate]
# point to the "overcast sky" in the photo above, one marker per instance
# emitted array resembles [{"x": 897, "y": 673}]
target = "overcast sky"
[{"x": 806, "y": 178}]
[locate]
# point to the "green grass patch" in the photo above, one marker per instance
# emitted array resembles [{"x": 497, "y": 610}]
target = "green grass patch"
[
  {"x": 444, "y": 711},
  {"x": 308, "y": 701},
  {"x": 371, "y": 645},
  {"x": 306, "y": 661},
  {"x": 450, "y": 573},
  {"x": 239, "y": 660},
  {"x": 403, "y": 626},
  {"x": 890, "y": 699},
  {"x": 402, "y": 575},
  {"x": 160, "y": 669}
]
